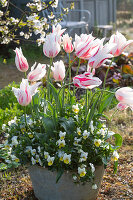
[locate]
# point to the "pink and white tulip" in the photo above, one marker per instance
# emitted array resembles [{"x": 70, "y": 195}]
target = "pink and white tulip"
[
  {"x": 85, "y": 46},
  {"x": 20, "y": 60},
  {"x": 67, "y": 43},
  {"x": 51, "y": 47},
  {"x": 86, "y": 81},
  {"x": 125, "y": 97},
  {"x": 38, "y": 73},
  {"x": 121, "y": 42},
  {"x": 58, "y": 29},
  {"x": 25, "y": 93},
  {"x": 58, "y": 70},
  {"x": 102, "y": 54}
]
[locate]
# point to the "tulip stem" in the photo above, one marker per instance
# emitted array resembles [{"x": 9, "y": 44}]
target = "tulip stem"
[
  {"x": 69, "y": 72},
  {"x": 86, "y": 102},
  {"x": 76, "y": 75},
  {"x": 48, "y": 86},
  {"x": 25, "y": 117},
  {"x": 25, "y": 75}
]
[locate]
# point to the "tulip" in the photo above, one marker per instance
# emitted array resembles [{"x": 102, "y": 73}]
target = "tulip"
[
  {"x": 21, "y": 61},
  {"x": 51, "y": 46},
  {"x": 86, "y": 81},
  {"x": 121, "y": 42},
  {"x": 85, "y": 46},
  {"x": 57, "y": 30},
  {"x": 102, "y": 54},
  {"x": 38, "y": 73},
  {"x": 67, "y": 43},
  {"x": 58, "y": 70},
  {"x": 125, "y": 97},
  {"x": 25, "y": 93}
]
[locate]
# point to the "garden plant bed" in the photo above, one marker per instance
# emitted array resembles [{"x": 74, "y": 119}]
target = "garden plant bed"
[{"x": 16, "y": 184}]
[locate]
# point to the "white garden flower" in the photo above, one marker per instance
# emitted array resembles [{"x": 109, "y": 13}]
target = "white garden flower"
[
  {"x": 91, "y": 126},
  {"x": 67, "y": 158},
  {"x": 33, "y": 161},
  {"x": 39, "y": 149},
  {"x": 83, "y": 156},
  {"x": 94, "y": 187},
  {"x": 6, "y": 144},
  {"x": 97, "y": 142},
  {"x": 14, "y": 158},
  {"x": 21, "y": 33},
  {"x": 115, "y": 156},
  {"x": 3, "y": 127},
  {"x": 46, "y": 154},
  {"x": 62, "y": 135},
  {"x": 28, "y": 149},
  {"x": 61, "y": 143},
  {"x": 86, "y": 134},
  {"x": 30, "y": 135},
  {"x": 92, "y": 167},
  {"x": 75, "y": 108},
  {"x": 74, "y": 178},
  {"x": 61, "y": 154},
  {"x": 81, "y": 171},
  {"x": 33, "y": 152},
  {"x": 14, "y": 141},
  {"x": 50, "y": 160},
  {"x": 76, "y": 141},
  {"x": 78, "y": 131}
]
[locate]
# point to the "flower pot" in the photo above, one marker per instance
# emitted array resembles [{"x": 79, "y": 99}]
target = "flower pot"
[{"x": 46, "y": 188}]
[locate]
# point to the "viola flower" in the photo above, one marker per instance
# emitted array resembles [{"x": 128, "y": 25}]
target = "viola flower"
[
  {"x": 61, "y": 154},
  {"x": 14, "y": 141},
  {"x": 46, "y": 154},
  {"x": 51, "y": 47},
  {"x": 67, "y": 43},
  {"x": 67, "y": 158},
  {"x": 33, "y": 161},
  {"x": 81, "y": 172},
  {"x": 100, "y": 57},
  {"x": 25, "y": 93},
  {"x": 92, "y": 167},
  {"x": 61, "y": 143},
  {"x": 121, "y": 43},
  {"x": 85, "y": 46},
  {"x": 125, "y": 96},
  {"x": 115, "y": 156},
  {"x": 78, "y": 131},
  {"x": 97, "y": 142},
  {"x": 33, "y": 152},
  {"x": 75, "y": 108},
  {"x": 38, "y": 73},
  {"x": 86, "y": 81},
  {"x": 14, "y": 158},
  {"x": 62, "y": 135},
  {"x": 83, "y": 156},
  {"x": 76, "y": 141},
  {"x": 86, "y": 134},
  {"x": 58, "y": 70},
  {"x": 50, "y": 160},
  {"x": 20, "y": 60},
  {"x": 94, "y": 186}
]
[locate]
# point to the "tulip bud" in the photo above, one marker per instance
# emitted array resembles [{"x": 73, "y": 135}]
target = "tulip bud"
[
  {"x": 58, "y": 70},
  {"x": 21, "y": 61},
  {"x": 67, "y": 43}
]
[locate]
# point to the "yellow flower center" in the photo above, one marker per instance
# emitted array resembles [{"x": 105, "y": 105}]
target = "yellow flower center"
[
  {"x": 61, "y": 158},
  {"x": 97, "y": 144},
  {"x": 17, "y": 160},
  {"x": 61, "y": 145},
  {"x": 50, "y": 163},
  {"x": 79, "y": 132},
  {"x": 66, "y": 161},
  {"x": 46, "y": 156},
  {"x": 30, "y": 136},
  {"x": 82, "y": 174}
]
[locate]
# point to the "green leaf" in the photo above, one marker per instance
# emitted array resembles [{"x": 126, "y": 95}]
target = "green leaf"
[
  {"x": 3, "y": 166},
  {"x": 106, "y": 102},
  {"x": 118, "y": 140},
  {"x": 67, "y": 124},
  {"x": 48, "y": 124},
  {"x": 59, "y": 174},
  {"x": 115, "y": 167}
]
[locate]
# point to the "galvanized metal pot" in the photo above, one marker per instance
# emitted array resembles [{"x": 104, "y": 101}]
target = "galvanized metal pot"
[{"x": 46, "y": 188}]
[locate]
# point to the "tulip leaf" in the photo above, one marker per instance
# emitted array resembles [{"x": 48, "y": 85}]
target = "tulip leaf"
[
  {"x": 118, "y": 140},
  {"x": 48, "y": 125},
  {"x": 115, "y": 167},
  {"x": 106, "y": 102},
  {"x": 59, "y": 174},
  {"x": 67, "y": 124}
]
